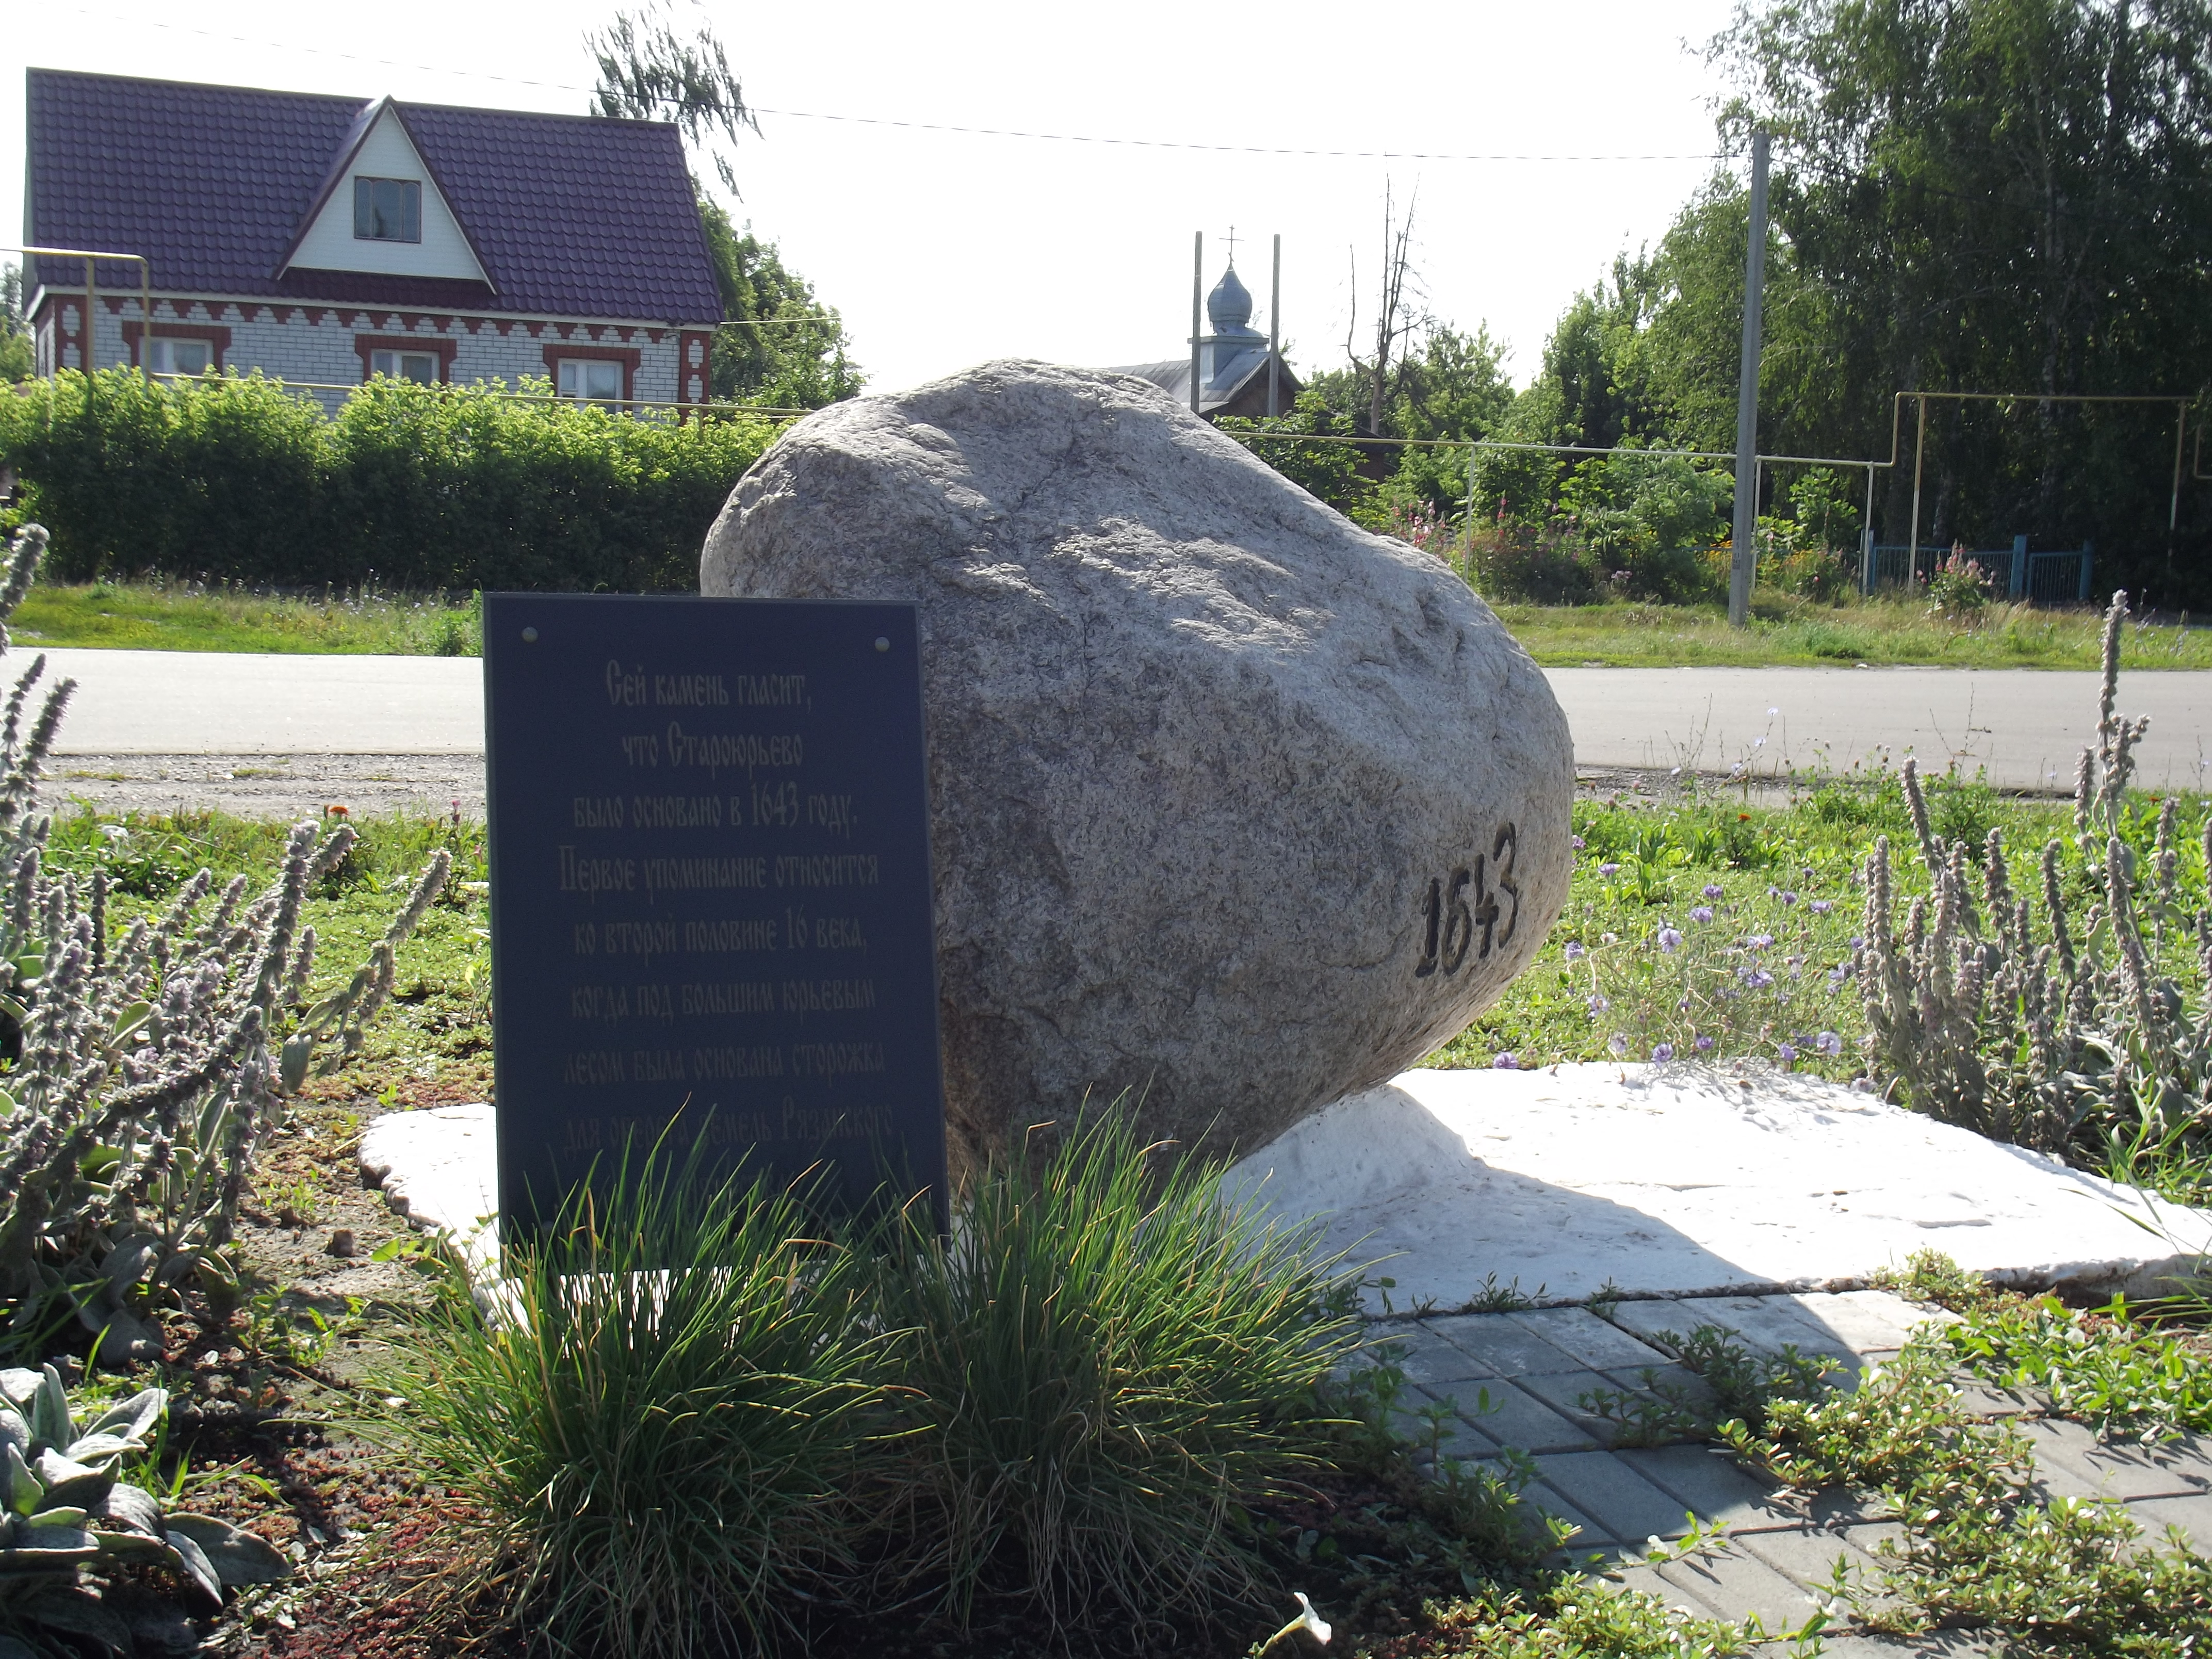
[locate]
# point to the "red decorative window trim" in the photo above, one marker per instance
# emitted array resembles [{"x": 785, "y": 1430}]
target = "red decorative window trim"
[
  {"x": 437, "y": 345},
  {"x": 627, "y": 356},
  {"x": 695, "y": 382},
  {"x": 215, "y": 334}
]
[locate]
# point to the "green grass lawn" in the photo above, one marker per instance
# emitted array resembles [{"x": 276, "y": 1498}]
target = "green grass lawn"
[
  {"x": 181, "y": 616},
  {"x": 1708, "y": 929},
  {"x": 1802, "y": 632},
  {"x": 163, "y": 616}
]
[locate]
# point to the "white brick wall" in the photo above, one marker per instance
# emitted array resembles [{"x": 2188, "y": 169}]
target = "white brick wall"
[{"x": 315, "y": 343}]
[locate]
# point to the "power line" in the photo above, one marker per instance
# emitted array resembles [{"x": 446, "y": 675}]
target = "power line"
[{"x": 916, "y": 126}]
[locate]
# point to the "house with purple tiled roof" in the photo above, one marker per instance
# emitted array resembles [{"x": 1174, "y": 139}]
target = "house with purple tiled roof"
[{"x": 323, "y": 240}]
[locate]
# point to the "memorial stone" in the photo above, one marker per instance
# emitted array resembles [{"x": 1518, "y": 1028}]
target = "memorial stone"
[
  {"x": 1234, "y": 806},
  {"x": 710, "y": 896}
]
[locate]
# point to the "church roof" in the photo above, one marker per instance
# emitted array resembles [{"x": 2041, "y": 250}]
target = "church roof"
[{"x": 1174, "y": 378}]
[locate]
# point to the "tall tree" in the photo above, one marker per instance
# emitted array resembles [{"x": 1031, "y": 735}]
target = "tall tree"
[
  {"x": 2000, "y": 196},
  {"x": 16, "y": 356},
  {"x": 780, "y": 345}
]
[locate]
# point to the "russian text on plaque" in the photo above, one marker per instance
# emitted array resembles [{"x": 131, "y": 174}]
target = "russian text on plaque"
[{"x": 710, "y": 893}]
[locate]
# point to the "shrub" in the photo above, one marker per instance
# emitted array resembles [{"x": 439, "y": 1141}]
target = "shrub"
[
  {"x": 1516, "y": 561},
  {"x": 1106, "y": 1362},
  {"x": 1957, "y": 588},
  {"x": 420, "y": 486},
  {"x": 1329, "y": 471},
  {"x": 2074, "y": 1029},
  {"x": 148, "y": 1068},
  {"x": 660, "y": 1433}
]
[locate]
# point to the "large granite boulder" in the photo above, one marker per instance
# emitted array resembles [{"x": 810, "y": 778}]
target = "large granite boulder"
[{"x": 1233, "y": 805}]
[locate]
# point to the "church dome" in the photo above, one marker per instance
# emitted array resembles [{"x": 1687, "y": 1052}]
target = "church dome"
[{"x": 1229, "y": 308}]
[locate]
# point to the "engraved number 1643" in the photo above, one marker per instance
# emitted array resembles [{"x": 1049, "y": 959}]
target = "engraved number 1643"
[{"x": 1460, "y": 908}]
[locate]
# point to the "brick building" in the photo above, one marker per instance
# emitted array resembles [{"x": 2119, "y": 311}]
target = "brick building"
[{"x": 325, "y": 240}]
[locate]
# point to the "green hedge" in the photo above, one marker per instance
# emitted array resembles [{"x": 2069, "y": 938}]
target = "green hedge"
[{"x": 412, "y": 487}]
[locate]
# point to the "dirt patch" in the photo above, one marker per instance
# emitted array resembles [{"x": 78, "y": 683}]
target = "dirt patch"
[{"x": 287, "y": 786}]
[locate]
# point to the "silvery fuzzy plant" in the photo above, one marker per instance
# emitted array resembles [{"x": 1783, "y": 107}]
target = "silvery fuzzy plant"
[
  {"x": 65, "y": 1512},
  {"x": 150, "y": 1063},
  {"x": 2040, "y": 1030}
]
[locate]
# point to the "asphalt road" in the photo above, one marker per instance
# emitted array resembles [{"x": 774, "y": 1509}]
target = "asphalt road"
[{"x": 2023, "y": 727}]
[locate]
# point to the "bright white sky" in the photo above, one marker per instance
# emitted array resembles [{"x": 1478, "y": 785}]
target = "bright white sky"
[{"x": 942, "y": 250}]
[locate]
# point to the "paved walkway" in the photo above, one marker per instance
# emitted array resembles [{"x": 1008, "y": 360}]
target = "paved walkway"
[
  {"x": 1533, "y": 1369},
  {"x": 2024, "y": 726}
]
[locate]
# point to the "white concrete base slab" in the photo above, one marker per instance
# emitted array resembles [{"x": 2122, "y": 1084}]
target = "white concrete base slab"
[
  {"x": 438, "y": 1167},
  {"x": 1571, "y": 1181},
  {"x": 1678, "y": 1182}
]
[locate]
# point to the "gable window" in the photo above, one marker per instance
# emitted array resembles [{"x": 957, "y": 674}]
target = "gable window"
[
  {"x": 167, "y": 356},
  {"x": 590, "y": 377},
  {"x": 387, "y": 209},
  {"x": 420, "y": 366}
]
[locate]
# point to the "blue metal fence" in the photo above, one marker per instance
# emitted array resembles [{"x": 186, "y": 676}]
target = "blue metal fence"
[{"x": 2052, "y": 576}]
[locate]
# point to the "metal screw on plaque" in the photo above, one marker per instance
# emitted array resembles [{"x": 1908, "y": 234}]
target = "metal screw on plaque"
[
  {"x": 882, "y": 644},
  {"x": 530, "y": 636}
]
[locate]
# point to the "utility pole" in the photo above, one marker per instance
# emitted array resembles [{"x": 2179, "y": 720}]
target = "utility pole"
[
  {"x": 1274, "y": 349},
  {"x": 1197, "y": 287},
  {"x": 1745, "y": 564}
]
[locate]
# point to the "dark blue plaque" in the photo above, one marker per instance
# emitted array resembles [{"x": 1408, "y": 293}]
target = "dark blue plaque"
[{"x": 710, "y": 891}]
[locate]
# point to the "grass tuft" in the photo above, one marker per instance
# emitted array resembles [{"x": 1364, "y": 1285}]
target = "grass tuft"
[
  {"x": 1106, "y": 1363},
  {"x": 656, "y": 1440}
]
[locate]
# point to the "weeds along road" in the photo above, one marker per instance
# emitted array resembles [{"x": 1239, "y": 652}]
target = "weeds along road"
[{"x": 283, "y": 734}]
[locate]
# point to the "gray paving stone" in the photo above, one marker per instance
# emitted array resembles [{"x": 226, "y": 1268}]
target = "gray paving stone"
[
  {"x": 1428, "y": 1359},
  {"x": 2071, "y": 1461},
  {"x": 1565, "y": 1392},
  {"x": 1678, "y": 1381},
  {"x": 1935, "y": 1644},
  {"x": 1646, "y": 1320},
  {"x": 1737, "y": 1585},
  {"x": 1715, "y": 1485},
  {"x": 1467, "y": 1438},
  {"x": 1621, "y": 1502},
  {"x": 1767, "y": 1323},
  {"x": 1590, "y": 1340},
  {"x": 1808, "y": 1554},
  {"x": 2192, "y": 1515},
  {"x": 1979, "y": 1400},
  {"x": 1645, "y": 1578},
  {"x": 1517, "y": 1418},
  {"x": 1508, "y": 1349},
  {"x": 1874, "y": 1319},
  {"x": 1589, "y": 1535}
]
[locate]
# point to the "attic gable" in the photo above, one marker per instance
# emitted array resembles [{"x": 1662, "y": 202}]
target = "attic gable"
[{"x": 381, "y": 209}]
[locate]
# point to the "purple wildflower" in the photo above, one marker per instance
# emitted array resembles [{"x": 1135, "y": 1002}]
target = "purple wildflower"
[
  {"x": 1670, "y": 939},
  {"x": 1829, "y": 1044},
  {"x": 1822, "y": 907},
  {"x": 1579, "y": 842},
  {"x": 1701, "y": 913},
  {"x": 1714, "y": 890},
  {"x": 1599, "y": 1002},
  {"x": 1787, "y": 897},
  {"x": 1760, "y": 941},
  {"x": 1857, "y": 943},
  {"x": 1787, "y": 1054},
  {"x": 1575, "y": 951},
  {"x": 1704, "y": 1045},
  {"x": 1619, "y": 1043},
  {"x": 1608, "y": 870},
  {"x": 1506, "y": 1062},
  {"x": 1663, "y": 1053},
  {"x": 1757, "y": 978}
]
